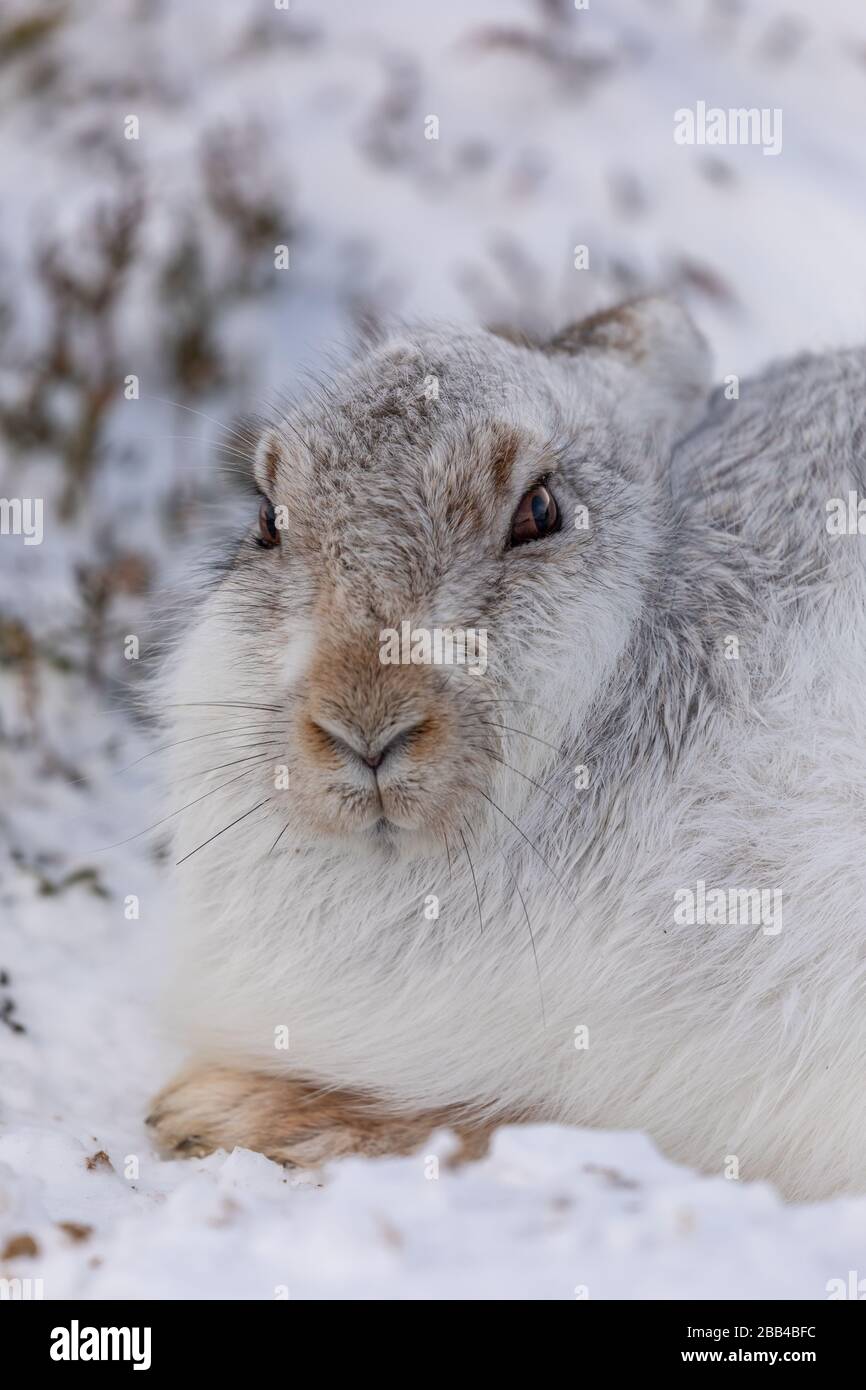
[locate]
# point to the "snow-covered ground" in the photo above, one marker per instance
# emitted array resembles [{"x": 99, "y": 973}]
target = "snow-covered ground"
[{"x": 259, "y": 127}]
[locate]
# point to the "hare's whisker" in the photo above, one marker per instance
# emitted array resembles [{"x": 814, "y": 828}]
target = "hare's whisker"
[
  {"x": 217, "y": 733},
  {"x": 268, "y": 754},
  {"x": 499, "y": 700},
  {"x": 526, "y": 778},
  {"x": 279, "y": 837},
  {"x": 224, "y": 704},
  {"x": 474, "y": 881},
  {"x": 448, "y": 852},
  {"x": 532, "y": 846},
  {"x": 508, "y": 729},
  {"x": 230, "y": 430},
  {"x": 513, "y": 875},
  {"x": 104, "y": 849},
  {"x": 238, "y": 819}
]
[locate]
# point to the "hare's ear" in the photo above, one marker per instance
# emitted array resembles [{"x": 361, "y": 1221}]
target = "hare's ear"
[
  {"x": 650, "y": 355},
  {"x": 266, "y": 460}
]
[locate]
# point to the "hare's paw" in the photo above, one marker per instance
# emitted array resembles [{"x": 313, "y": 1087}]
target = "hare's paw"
[
  {"x": 291, "y": 1121},
  {"x": 202, "y": 1109}
]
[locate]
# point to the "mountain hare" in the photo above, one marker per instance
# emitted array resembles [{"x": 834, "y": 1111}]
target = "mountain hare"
[{"x": 523, "y": 762}]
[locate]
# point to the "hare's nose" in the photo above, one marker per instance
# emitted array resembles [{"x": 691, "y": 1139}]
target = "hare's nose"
[{"x": 372, "y": 753}]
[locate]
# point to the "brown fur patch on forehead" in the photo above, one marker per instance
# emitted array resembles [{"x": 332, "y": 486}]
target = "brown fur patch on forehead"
[{"x": 505, "y": 446}]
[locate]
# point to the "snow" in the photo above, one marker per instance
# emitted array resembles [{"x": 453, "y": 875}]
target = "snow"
[{"x": 535, "y": 155}]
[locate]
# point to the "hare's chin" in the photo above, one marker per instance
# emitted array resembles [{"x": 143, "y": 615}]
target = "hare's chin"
[
  {"x": 382, "y": 834},
  {"x": 386, "y": 831}
]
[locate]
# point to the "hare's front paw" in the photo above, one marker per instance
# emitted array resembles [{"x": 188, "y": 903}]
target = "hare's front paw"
[{"x": 214, "y": 1107}]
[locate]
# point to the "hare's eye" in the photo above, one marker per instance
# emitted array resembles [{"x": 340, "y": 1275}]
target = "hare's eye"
[
  {"x": 536, "y": 516},
  {"x": 269, "y": 534}
]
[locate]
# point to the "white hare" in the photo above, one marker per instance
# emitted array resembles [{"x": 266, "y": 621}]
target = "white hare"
[{"x": 615, "y": 878}]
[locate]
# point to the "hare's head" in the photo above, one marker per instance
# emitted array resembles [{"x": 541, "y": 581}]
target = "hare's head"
[{"x": 453, "y": 544}]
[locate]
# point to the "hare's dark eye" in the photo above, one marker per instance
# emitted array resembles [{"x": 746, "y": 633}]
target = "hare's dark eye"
[
  {"x": 269, "y": 534},
  {"x": 537, "y": 516}
]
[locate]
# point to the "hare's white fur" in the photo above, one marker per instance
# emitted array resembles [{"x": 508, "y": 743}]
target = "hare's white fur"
[{"x": 746, "y": 773}]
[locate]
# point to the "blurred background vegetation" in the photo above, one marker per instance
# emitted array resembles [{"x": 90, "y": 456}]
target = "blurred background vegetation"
[{"x": 162, "y": 160}]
